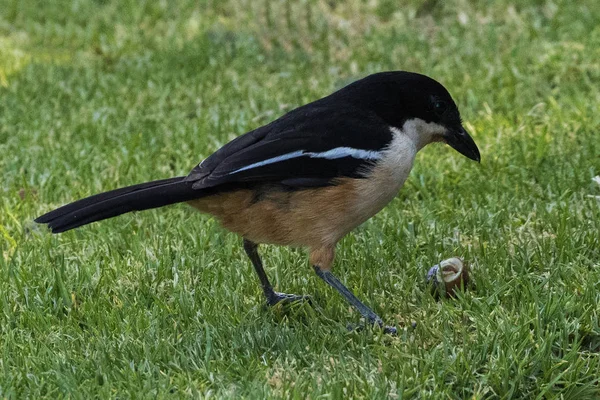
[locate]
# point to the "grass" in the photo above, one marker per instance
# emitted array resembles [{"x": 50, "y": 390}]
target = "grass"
[{"x": 100, "y": 94}]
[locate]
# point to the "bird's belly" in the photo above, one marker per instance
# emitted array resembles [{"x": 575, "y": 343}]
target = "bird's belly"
[{"x": 310, "y": 217}]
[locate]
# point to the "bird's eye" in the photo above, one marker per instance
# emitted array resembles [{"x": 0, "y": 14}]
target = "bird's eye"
[{"x": 439, "y": 107}]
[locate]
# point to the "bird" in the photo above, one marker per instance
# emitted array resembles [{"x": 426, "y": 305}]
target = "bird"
[{"x": 306, "y": 179}]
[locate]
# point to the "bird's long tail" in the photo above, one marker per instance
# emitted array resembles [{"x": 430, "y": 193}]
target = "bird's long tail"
[{"x": 120, "y": 201}]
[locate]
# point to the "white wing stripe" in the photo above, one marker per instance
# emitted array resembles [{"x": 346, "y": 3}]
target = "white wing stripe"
[{"x": 338, "y": 152}]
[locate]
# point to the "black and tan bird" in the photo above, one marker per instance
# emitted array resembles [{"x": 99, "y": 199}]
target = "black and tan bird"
[{"x": 307, "y": 178}]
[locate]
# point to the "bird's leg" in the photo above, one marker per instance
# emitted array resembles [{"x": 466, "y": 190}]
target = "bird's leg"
[
  {"x": 325, "y": 258},
  {"x": 272, "y": 296}
]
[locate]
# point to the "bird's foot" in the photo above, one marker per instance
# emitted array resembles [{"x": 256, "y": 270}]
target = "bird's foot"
[
  {"x": 276, "y": 298},
  {"x": 389, "y": 330}
]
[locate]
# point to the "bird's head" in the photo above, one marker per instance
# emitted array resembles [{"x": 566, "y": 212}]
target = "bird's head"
[{"x": 417, "y": 105}]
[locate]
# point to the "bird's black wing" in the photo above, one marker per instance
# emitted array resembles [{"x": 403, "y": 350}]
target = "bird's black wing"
[{"x": 310, "y": 146}]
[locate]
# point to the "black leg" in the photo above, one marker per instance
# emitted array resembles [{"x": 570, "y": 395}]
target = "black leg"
[
  {"x": 272, "y": 296},
  {"x": 365, "y": 311}
]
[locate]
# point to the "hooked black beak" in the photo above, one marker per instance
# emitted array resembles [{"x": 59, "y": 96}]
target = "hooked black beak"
[{"x": 462, "y": 142}]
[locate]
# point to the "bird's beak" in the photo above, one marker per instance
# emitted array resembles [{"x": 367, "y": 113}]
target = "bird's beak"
[{"x": 461, "y": 141}]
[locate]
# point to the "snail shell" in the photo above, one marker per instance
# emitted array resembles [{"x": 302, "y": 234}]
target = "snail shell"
[{"x": 448, "y": 276}]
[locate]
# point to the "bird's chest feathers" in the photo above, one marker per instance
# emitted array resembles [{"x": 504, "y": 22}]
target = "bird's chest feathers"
[{"x": 389, "y": 174}]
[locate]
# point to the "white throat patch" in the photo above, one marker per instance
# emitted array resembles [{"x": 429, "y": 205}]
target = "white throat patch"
[{"x": 420, "y": 132}]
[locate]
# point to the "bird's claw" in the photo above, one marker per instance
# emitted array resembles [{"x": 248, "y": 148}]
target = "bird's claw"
[
  {"x": 284, "y": 298},
  {"x": 390, "y": 330}
]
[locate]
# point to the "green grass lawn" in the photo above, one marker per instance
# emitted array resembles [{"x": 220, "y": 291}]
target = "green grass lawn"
[{"x": 100, "y": 94}]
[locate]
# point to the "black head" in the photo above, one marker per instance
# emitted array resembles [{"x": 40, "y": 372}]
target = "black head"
[{"x": 399, "y": 97}]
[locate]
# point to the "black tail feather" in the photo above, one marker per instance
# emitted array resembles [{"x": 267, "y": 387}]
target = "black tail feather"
[{"x": 120, "y": 201}]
